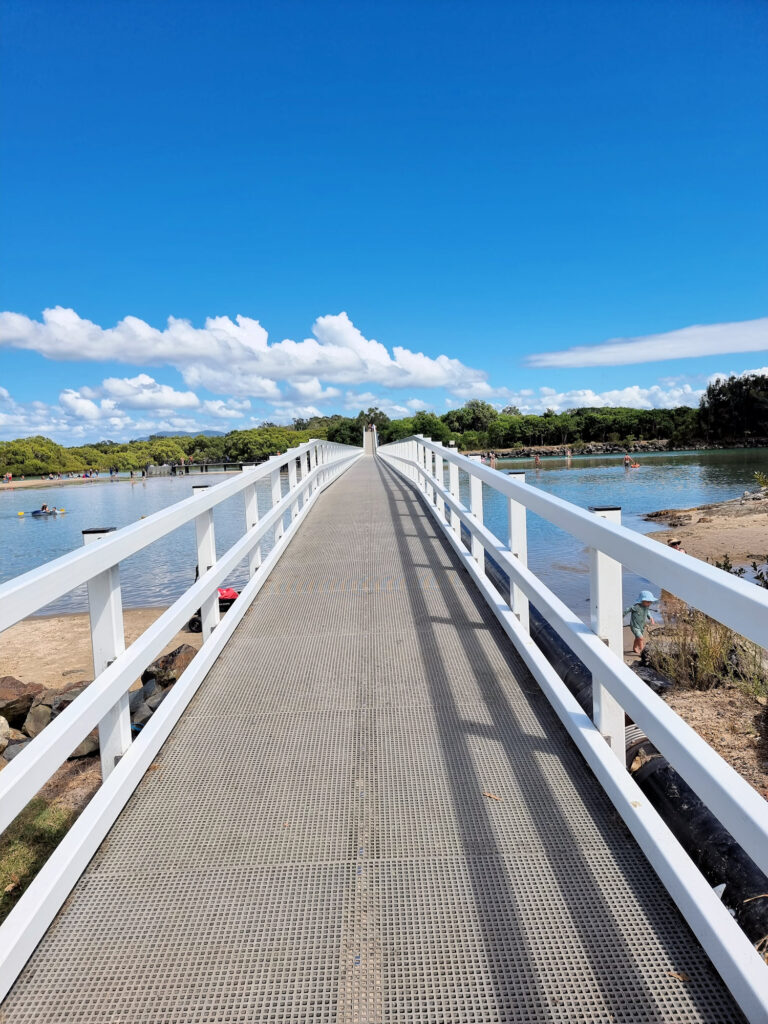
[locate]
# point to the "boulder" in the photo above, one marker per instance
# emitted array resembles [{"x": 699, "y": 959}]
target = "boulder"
[
  {"x": 17, "y": 736},
  {"x": 5, "y": 734},
  {"x": 135, "y": 700},
  {"x": 89, "y": 745},
  {"x": 157, "y": 698},
  {"x": 16, "y": 699},
  {"x": 37, "y": 719},
  {"x": 13, "y": 749},
  {"x": 49, "y": 697},
  {"x": 166, "y": 670},
  {"x": 64, "y": 698}
]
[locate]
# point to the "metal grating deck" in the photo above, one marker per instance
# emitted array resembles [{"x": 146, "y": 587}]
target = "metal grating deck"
[{"x": 315, "y": 845}]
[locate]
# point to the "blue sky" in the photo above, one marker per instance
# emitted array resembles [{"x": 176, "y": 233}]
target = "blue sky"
[{"x": 480, "y": 187}]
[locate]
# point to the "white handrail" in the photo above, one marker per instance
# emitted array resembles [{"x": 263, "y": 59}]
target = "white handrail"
[
  {"x": 35, "y": 764},
  {"x": 739, "y": 807}
]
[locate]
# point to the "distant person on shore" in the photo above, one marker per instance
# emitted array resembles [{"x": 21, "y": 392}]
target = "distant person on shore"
[
  {"x": 537, "y": 460},
  {"x": 639, "y": 617},
  {"x": 676, "y": 544}
]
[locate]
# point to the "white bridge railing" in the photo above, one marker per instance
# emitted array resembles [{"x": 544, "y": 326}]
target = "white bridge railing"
[
  {"x": 438, "y": 473},
  {"x": 310, "y": 468}
]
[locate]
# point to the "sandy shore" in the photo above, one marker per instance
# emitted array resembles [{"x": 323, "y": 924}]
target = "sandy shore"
[
  {"x": 737, "y": 528},
  {"x": 105, "y": 479},
  {"x": 56, "y": 650}
]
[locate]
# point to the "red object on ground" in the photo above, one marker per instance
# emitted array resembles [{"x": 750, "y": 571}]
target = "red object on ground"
[{"x": 227, "y": 594}]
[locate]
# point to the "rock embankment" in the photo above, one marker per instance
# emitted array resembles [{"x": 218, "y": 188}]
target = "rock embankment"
[{"x": 27, "y": 708}]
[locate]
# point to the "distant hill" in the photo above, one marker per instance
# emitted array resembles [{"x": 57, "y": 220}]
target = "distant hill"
[{"x": 183, "y": 433}]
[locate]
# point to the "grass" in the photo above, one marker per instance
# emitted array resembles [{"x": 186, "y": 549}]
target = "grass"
[
  {"x": 697, "y": 652},
  {"x": 26, "y": 845}
]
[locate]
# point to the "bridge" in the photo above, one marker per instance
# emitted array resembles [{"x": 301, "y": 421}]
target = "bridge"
[{"x": 370, "y": 797}]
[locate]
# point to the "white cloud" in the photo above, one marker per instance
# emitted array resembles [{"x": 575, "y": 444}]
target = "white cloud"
[
  {"x": 143, "y": 392},
  {"x": 232, "y": 410},
  {"x": 234, "y": 356},
  {"x": 686, "y": 343}
]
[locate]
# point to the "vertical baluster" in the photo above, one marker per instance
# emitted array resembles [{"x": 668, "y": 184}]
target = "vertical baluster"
[
  {"x": 518, "y": 545},
  {"x": 206, "y": 557},
  {"x": 277, "y": 494},
  {"x": 606, "y": 607},
  {"x": 251, "y": 519},
  {"x": 476, "y": 507},
  {"x": 438, "y": 499},
  {"x": 292, "y": 481},
  {"x": 105, "y": 611},
  {"x": 453, "y": 487}
]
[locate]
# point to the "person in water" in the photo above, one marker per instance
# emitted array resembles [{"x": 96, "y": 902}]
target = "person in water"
[
  {"x": 639, "y": 617},
  {"x": 537, "y": 461},
  {"x": 627, "y": 459},
  {"x": 44, "y": 508}
]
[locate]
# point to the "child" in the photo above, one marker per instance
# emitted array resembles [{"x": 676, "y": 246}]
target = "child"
[{"x": 639, "y": 615}]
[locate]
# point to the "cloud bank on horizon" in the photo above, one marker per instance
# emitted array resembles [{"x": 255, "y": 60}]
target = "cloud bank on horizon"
[{"x": 337, "y": 369}]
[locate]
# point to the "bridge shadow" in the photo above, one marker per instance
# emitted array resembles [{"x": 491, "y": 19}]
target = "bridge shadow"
[{"x": 576, "y": 872}]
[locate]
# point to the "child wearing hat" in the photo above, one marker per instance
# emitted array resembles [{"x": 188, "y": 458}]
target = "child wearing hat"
[{"x": 639, "y": 617}]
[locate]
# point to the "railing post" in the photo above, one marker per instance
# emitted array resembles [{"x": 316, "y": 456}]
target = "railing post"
[
  {"x": 438, "y": 498},
  {"x": 605, "y": 608},
  {"x": 453, "y": 487},
  {"x": 277, "y": 495},
  {"x": 206, "y": 557},
  {"x": 518, "y": 545},
  {"x": 251, "y": 519},
  {"x": 105, "y": 610},
  {"x": 430, "y": 468},
  {"x": 305, "y": 464},
  {"x": 313, "y": 465},
  {"x": 476, "y": 508},
  {"x": 292, "y": 484}
]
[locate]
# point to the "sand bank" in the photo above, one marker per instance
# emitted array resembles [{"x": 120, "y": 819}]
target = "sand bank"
[
  {"x": 56, "y": 650},
  {"x": 738, "y": 528}
]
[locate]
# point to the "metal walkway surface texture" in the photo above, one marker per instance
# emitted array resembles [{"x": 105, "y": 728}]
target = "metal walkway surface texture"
[{"x": 369, "y": 813}]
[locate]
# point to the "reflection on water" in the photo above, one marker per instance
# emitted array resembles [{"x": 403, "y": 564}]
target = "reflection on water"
[{"x": 160, "y": 573}]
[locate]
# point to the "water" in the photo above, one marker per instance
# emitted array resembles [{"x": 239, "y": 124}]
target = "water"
[
  {"x": 664, "y": 480},
  {"x": 159, "y": 574},
  {"x": 155, "y": 576}
]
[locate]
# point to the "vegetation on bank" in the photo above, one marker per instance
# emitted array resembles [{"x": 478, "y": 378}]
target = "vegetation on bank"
[
  {"x": 26, "y": 845},
  {"x": 731, "y": 411}
]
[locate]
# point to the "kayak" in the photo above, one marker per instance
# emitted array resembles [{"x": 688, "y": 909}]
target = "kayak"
[{"x": 47, "y": 512}]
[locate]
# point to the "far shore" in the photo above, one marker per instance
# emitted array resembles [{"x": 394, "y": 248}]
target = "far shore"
[{"x": 55, "y": 650}]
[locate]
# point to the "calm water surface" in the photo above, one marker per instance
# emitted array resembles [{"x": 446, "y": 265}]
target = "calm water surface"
[{"x": 163, "y": 571}]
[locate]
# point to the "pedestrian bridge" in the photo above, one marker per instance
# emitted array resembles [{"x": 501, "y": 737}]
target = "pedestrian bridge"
[{"x": 370, "y": 798}]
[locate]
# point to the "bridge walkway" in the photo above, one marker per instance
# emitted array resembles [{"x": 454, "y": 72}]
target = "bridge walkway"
[{"x": 369, "y": 813}]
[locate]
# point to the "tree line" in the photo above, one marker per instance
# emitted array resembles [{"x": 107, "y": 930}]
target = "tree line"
[{"x": 732, "y": 410}]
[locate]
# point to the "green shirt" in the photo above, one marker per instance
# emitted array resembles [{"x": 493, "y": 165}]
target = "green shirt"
[{"x": 638, "y": 617}]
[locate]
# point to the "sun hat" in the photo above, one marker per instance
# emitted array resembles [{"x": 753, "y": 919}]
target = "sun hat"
[
  {"x": 674, "y": 540},
  {"x": 646, "y": 595}
]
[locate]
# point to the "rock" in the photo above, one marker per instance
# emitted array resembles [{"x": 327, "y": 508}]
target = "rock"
[
  {"x": 64, "y": 698},
  {"x": 14, "y": 748},
  {"x": 49, "y": 697},
  {"x": 16, "y": 699},
  {"x": 157, "y": 698},
  {"x": 149, "y": 687},
  {"x": 17, "y": 736},
  {"x": 135, "y": 700},
  {"x": 37, "y": 719},
  {"x": 142, "y": 714},
  {"x": 166, "y": 670},
  {"x": 89, "y": 745},
  {"x": 3, "y": 763},
  {"x": 5, "y": 734}
]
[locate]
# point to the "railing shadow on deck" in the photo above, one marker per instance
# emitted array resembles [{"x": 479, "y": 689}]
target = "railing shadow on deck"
[{"x": 595, "y": 925}]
